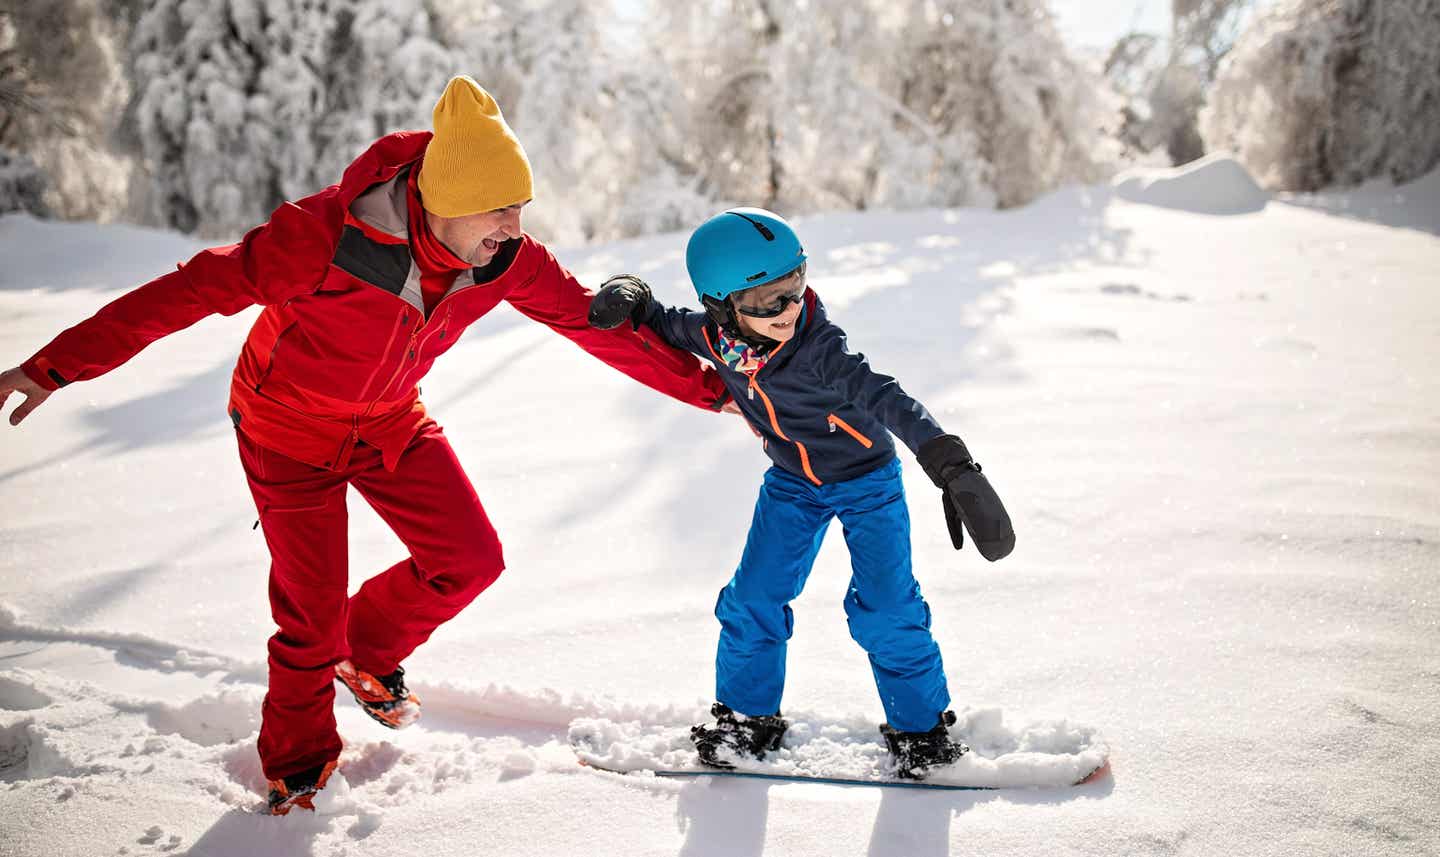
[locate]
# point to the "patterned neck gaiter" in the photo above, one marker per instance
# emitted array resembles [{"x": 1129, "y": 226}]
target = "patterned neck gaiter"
[
  {"x": 742, "y": 356},
  {"x": 739, "y": 355}
]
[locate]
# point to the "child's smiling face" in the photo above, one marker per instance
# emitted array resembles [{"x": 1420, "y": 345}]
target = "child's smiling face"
[{"x": 787, "y": 291}]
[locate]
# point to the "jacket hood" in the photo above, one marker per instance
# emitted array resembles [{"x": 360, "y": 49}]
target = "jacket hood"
[{"x": 383, "y": 160}]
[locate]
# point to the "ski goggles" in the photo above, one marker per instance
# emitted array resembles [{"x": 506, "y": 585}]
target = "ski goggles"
[{"x": 775, "y": 304}]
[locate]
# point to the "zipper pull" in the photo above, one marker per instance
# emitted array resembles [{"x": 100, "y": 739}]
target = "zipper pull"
[
  {"x": 750, "y": 393},
  {"x": 831, "y": 421}
]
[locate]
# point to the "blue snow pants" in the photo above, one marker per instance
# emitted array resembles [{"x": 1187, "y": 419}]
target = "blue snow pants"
[{"x": 887, "y": 615}]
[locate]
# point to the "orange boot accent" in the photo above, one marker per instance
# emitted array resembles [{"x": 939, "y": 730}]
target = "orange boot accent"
[
  {"x": 284, "y": 798},
  {"x": 386, "y": 707}
]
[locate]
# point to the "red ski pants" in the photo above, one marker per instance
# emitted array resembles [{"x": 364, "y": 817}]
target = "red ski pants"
[{"x": 454, "y": 555}]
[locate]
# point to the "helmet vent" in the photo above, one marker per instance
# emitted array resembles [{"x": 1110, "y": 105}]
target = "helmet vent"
[
  {"x": 763, "y": 229},
  {"x": 753, "y": 277}
]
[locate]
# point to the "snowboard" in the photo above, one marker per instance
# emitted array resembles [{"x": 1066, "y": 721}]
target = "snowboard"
[
  {"x": 817, "y": 749},
  {"x": 1091, "y": 777}
]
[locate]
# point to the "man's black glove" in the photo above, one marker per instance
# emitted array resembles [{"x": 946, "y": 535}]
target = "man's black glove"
[
  {"x": 621, "y": 297},
  {"x": 969, "y": 499}
]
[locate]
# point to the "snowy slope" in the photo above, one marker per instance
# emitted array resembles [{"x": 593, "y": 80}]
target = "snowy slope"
[{"x": 1219, "y": 437}]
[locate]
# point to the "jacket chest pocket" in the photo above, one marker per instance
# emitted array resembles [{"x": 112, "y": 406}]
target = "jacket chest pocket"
[{"x": 836, "y": 423}]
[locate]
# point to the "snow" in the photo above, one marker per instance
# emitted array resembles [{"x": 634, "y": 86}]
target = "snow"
[
  {"x": 1214, "y": 184},
  {"x": 1409, "y": 206},
  {"x": 1218, "y": 437}
]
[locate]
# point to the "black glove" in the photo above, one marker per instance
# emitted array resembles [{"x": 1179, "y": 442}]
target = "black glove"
[
  {"x": 968, "y": 497},
  {"x": 621, "y": 297}
]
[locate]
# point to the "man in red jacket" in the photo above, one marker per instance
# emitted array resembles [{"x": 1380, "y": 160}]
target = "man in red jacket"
[{"x": 363, "y": 285}]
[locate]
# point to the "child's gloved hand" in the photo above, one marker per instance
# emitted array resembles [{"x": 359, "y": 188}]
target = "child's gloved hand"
[
  {"x": 621, "y": 297},
  {"x": 968, "y": 497}
]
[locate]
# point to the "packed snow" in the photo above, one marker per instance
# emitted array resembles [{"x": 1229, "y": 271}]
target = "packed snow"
[{"x": 1218, "y": 436}]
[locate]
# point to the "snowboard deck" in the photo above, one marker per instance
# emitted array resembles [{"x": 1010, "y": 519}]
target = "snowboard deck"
[
  {"x": 819, "y": 748},
  {"x": 837, "y": 781}
]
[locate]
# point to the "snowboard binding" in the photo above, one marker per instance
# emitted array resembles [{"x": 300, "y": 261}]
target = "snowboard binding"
[
  {"x": 737, "y": 735},
  {"x": 915, "y": 753}
]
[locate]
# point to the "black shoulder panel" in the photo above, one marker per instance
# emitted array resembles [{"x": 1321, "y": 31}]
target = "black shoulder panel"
[
  {"x": 500, "y": 264},
  {"x": 384, "y": 265}
]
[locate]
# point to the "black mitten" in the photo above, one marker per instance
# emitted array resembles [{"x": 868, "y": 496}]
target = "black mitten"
[
  {"x": 621, "y": 297},
  {"x": 968, "y": 498}
]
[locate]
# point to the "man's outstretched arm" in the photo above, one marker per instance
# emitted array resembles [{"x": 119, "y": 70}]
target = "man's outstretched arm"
[
  {"x": 554, "y": 298},
  {"x": 275, "y": 261}
]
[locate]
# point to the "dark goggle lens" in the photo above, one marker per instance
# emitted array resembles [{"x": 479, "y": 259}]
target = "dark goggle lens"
[{"x": 778, "y": 303}]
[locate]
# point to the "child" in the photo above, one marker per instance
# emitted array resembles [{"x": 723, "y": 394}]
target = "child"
[{"x": 823, "y": 415}]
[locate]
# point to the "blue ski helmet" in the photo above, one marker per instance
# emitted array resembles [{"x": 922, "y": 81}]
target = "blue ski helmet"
[{"x": 740, "y": 248}]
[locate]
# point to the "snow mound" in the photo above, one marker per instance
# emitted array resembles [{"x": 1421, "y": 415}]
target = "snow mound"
[
  {"x": 1044, "y": 754},
  {"x": 1215, "y": 184}
]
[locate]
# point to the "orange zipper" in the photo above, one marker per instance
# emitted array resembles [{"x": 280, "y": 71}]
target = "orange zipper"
[
  {"x": 775, "y": 424},
  {"x": 750, "y": 392},
  {"x": 846, "y": 427}
]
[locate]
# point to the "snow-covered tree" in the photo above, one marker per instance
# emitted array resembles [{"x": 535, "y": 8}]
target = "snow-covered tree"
[
  {"x": 1322, "y": 92},
  {"x": 731, "y": 75},
  {"x": 896, "y": 104},
  {"x": 22, "y": 185},
  {"x": 632, "y": 128},
  {"x": 1164, "y": 82},
  {"x": 995, "y": 78},
  {"x": 244, "y": 103},
  {"x": 62, "y": 93}
]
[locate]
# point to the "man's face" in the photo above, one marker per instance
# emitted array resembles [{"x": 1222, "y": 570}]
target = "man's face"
[
  {"x": 764, "y": 299},
  {"x": 475, "y": 238}
]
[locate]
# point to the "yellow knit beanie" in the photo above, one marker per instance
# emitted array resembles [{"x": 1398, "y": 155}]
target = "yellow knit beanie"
[{"x": 474, "y": 162}]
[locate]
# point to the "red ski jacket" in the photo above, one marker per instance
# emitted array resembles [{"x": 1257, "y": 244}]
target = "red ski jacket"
[{"x": 335, "y": 356}]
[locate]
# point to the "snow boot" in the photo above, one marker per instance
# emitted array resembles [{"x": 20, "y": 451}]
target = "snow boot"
[
  {"x": 916, "y": 753},
  {"x": 299, "y": 789},
  {"x": 738, "y": 735},
  {"x": 384, "y": 698}
]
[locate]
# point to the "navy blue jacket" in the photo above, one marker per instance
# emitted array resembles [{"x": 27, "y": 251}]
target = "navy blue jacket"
[{"x": 822, "y": 411}]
